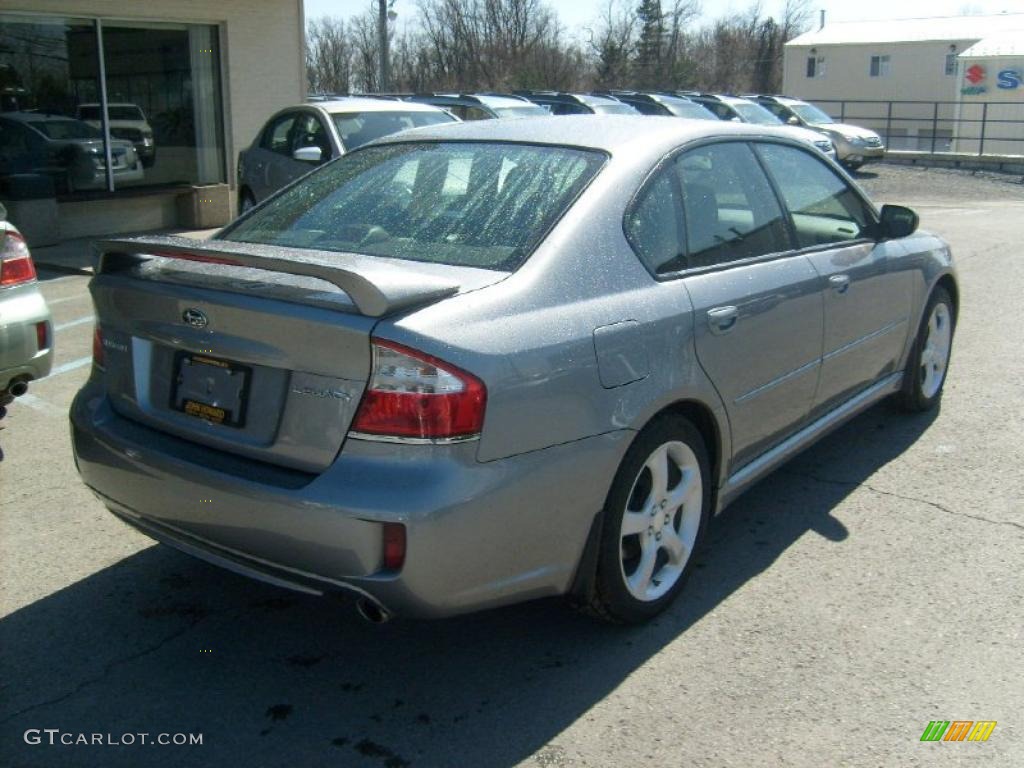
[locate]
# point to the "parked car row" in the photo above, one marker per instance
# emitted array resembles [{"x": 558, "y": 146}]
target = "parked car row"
[
  {"x": 298, "y": 138},
  {"x": 483, "y": 362}
]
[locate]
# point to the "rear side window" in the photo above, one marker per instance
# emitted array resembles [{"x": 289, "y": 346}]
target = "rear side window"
[
  {"x": 825, "y": 209},
  {"x": 654, "y": 227},
  {"x": 468, "y": 204},
  {"x": 730, "y": 209}
]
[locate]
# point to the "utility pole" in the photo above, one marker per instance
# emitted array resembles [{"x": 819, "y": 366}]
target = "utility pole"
[{"x": 382, "y": 46}]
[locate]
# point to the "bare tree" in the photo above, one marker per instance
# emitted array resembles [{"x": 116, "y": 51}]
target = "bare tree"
[
  {"x": 611, "y": 43},
  {"x": 328, "y": 56}
]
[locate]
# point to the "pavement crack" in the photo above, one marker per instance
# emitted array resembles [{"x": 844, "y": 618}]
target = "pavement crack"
[
  {"x": 107, "y": 669},
  {"x": 880, "y": 492}
]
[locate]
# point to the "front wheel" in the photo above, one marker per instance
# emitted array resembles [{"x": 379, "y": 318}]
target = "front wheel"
[
  {"x": 929, "y": 358},
  {"x": 654, "y": 520}
]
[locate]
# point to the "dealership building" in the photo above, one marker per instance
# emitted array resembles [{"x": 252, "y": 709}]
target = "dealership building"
[
  {"x": 183, "y": 84},
  {"x": 948, "y": 84}
]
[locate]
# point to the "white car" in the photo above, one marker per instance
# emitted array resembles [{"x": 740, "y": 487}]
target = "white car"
[{"x": 128, "y": 122}]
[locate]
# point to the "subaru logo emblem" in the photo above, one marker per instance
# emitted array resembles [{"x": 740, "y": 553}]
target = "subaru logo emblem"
[{"x": 194, "y": 317}]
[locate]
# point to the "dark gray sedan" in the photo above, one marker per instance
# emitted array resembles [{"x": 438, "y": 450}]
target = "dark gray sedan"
[{"x": 494, "y": 361}]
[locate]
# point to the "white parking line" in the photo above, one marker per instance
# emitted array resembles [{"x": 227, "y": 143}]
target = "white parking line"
[
  {"x": 72, "y": 366},
  {"x": 63, "y": 299},
  {"x": 35, "y": 403},
  {"x": 73, "y": 323}
]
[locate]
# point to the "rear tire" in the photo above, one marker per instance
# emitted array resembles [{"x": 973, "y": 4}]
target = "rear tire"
[
  {"x": 928, "y": 364},
  {"x": 654, "y": 520}
]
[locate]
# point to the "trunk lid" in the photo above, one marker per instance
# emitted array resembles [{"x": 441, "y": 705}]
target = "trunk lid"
[{"x": 257, "y": 350}]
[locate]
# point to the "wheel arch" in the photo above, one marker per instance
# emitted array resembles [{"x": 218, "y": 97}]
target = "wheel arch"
[
  {"x": 948, "y": 282},
  {"x": 715, "y": 436}
]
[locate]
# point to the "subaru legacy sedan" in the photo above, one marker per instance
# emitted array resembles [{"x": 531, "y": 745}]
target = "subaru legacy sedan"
[{"x": 495, "y": 361}]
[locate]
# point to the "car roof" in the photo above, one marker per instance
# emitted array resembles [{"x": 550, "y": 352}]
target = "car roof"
[
  {"x": 35, "y": 117},
  {"x": 635, "y": 135},
  {"x": 368, "y": 104}
]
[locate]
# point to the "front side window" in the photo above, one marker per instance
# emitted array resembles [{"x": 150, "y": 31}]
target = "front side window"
[
  {"x": 459, "y": 203},
  {"x": 654, "y": 226},
  {"x": 730, "y": 210},
  {"x": 824, "y": 208},
  {"x": 879, "y": 66},
  {"x": 278, "y": 135},
  {"x": 310, "y": 132}
]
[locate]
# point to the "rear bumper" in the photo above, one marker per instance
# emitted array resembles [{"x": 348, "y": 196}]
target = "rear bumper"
[
  {"x": 19, "y": 353},
  {"x": 478, "y": 534}
]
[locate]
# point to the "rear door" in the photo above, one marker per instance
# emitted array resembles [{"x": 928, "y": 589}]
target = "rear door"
[
  {"x": 866, "y": 301},
  {"x": 757, "y": 304}
]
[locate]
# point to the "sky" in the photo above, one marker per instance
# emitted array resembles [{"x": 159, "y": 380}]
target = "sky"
[{"x": 579, "y": 14}]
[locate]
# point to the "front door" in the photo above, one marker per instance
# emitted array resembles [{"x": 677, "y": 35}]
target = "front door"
[{"x": 866, "y": 301}]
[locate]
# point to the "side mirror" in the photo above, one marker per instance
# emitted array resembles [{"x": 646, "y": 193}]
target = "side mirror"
[
  {"x": 897, "y": 221},
  {"x": 308, "y": 154},
  {"x": 793, "y": 120}
]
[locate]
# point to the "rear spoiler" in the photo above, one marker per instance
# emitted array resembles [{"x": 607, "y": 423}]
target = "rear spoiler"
[{"x": 377, "y": 286}]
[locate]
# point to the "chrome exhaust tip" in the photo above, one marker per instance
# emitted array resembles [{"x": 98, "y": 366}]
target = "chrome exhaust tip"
[
  {"x": 372, "y": 611},
  {"x": 18, "y": 388}
]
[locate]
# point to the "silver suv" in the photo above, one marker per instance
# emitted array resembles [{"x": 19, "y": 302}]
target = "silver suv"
[
  {"x": 855, "y": 145},
  {"x": 483, "y": 363}
]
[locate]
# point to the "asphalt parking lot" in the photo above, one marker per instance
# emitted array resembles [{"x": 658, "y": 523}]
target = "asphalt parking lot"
[{"x": 867, "y": 588}]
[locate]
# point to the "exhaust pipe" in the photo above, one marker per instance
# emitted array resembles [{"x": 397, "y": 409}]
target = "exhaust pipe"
[
  {"x": 372, "y": 611},
  {"x": 19, "y": 387}
]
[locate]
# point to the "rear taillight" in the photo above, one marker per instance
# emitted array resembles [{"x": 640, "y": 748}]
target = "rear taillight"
[
  {"x": 98, "y": 358},
  {"x": 15, "y": 261},
  {"x": 415, "y": 396}
]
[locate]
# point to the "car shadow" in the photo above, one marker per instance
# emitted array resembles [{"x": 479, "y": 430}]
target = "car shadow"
[
  {"x": 862, "y": 174},
  {"x": 159, "y": 642}
]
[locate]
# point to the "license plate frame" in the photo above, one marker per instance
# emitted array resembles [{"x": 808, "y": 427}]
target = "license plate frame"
[{"x": 211, "y": 389}]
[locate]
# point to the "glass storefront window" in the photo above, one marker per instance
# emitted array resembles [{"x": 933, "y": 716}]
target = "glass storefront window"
[
  {"x": 163, "y": 106},
  {"x": 47, "y": 68}
]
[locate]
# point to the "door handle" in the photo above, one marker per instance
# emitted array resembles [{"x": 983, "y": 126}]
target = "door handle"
[
  {"x": 839, "y": 283},
  {"x": 722, "y": 319}
]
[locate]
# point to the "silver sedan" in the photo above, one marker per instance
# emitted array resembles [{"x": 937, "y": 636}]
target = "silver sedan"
[{"x": 488, "y": 362}]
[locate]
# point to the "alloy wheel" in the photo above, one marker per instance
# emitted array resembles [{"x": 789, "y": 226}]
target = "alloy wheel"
[{"x": 661, "y": 521}]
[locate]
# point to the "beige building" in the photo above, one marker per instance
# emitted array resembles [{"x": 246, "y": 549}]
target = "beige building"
[
  {"x": 183, "y": 84},
  {"x": 873, "y": 72}
]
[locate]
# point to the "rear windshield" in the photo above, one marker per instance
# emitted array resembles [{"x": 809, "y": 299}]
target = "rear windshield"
[
  {"x": 811, "y": 114},
  {"x": 613, "y": 109},
  {"x": 689, "y": 109},
  {"x": 458, "y": 203},
  {"x": 527, "y": 110},
  {"x": 755, "y": 113},
  {"x": 358, "y": 128}
]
